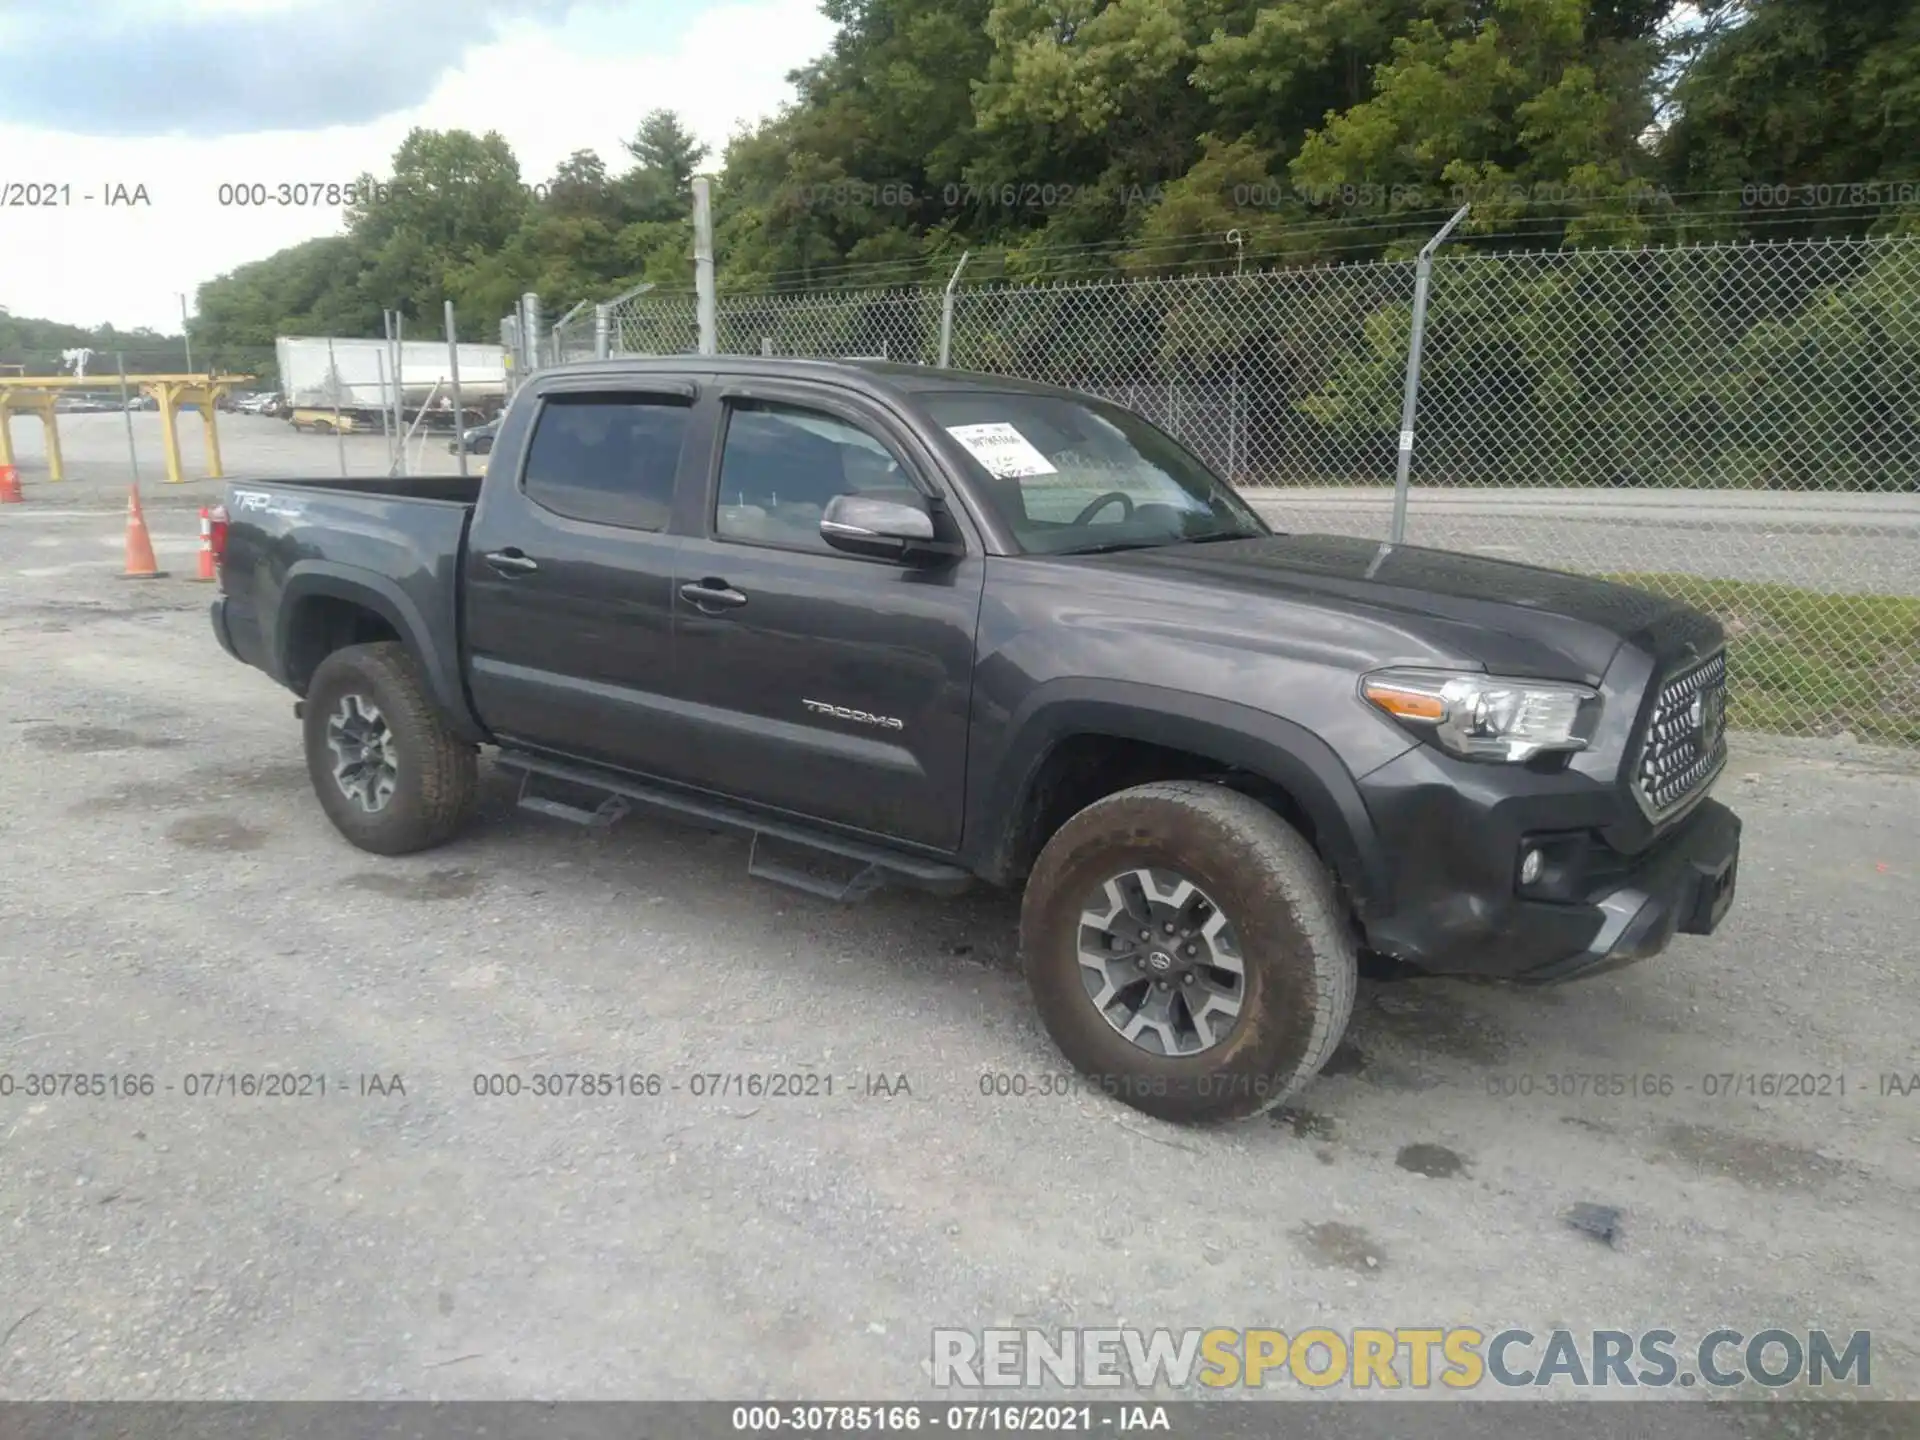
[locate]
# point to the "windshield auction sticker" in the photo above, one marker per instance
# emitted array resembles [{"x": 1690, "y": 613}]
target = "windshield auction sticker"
[{"x": 1002, "y": 449}]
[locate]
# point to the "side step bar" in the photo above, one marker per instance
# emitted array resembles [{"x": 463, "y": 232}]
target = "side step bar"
[{"x": 878, "y": 863}]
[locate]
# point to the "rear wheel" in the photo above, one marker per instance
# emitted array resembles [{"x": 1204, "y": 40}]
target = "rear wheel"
[
  {"x": 389, "y": 772},
  {"x": 1187, "y": 951}
]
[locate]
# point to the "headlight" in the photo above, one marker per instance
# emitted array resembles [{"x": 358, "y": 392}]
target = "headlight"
[{"x": 1484, "y": 716}]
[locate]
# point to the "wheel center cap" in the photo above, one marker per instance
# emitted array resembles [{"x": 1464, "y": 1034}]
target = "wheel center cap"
[{"x": 1160, "y": 962}]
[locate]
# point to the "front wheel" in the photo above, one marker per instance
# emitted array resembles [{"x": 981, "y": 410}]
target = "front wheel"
[
  {"x": 1187, "y": 951},
  {"x": 390, "y": 774}
]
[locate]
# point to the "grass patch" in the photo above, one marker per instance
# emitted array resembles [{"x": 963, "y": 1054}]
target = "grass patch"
[{"x": 1807, "y": 663}]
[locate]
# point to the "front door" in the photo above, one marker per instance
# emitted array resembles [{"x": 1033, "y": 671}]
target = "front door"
[{"x": 823, "y": 683}]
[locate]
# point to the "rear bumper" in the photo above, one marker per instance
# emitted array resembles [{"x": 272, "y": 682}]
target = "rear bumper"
[{"x": 217, "y": 613}]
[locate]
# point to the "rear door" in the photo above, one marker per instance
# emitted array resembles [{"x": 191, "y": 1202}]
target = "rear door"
[
  {"x": 823, "y": 683},
  {"x": 569, "y": 574}
]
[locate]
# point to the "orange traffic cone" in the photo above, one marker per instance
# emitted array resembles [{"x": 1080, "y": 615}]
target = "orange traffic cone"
[
  {"x": 10, "y": 486},
  {"x": 140, "y": 565},
  {"x": 206, "y": 545}
]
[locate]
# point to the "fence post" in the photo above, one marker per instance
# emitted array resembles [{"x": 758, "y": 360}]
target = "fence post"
[
  {"x": 1410, "y": 404},
  {"x": 946, "y": 312},
  {"x": 333, "y": 389},
  {"x": 383, "y": 362},
  {"x": 530, "y": 330},
  {"x": 703, "y": 265},
  {"x": 603, "y": 317},
  {"x": 453, "y": 374},
  {"x": 399, "y": 396}
]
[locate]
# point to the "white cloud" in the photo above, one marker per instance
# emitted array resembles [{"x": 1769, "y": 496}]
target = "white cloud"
[{"x": 550, "y": 90}]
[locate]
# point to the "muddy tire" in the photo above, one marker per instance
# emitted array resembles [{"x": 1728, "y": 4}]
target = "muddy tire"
[
  {"x": 389, "y": 773},
  {"x": 1188, "y": 951}
]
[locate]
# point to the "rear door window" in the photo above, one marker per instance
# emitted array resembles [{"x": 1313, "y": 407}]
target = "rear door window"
[{"x": 610, "y": 459}]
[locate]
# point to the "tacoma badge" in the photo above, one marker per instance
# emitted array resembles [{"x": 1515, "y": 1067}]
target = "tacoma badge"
[{"x": 841, "y": 712}]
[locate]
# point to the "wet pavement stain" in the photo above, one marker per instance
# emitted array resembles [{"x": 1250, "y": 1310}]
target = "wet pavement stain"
[
  {"x": 1372, "y": 1067},
  {"x": 1347, "y": 1059},
  {"x": 400, "y": 885},
  {"x": 216, "y": 832},
  {"x": 1340, "y": 1245},
  {"x": 1757, "y": 1163},
  {"x": 1587, "y": 1122},
  {"x": 1305, "y": 1124},
  {"x": 197, "y": 788},
  {"x": 95, "y": 739},
  {"x": 270, "y": 779},
  {"x": 1436, "y": 1162},
  {"x": 1432, "y": 1022}
]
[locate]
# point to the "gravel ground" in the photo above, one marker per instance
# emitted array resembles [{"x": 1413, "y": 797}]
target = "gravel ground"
[{"x": 174, "y": 903}]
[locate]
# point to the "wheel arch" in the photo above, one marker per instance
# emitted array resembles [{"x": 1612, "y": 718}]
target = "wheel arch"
[
  {"x": 1283, "y": 764},
  {"x": 325, "y": 606}
]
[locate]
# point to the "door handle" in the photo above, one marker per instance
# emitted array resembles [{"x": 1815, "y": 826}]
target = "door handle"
[
  {"x": 711, "y": 595},
  {"x": 511, "y": 562}
]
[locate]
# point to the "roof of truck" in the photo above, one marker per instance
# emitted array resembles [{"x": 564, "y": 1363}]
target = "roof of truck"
[{"x": 879, "y": 375}]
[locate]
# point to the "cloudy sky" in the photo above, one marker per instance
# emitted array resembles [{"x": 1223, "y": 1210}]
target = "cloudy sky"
[{"x": 180, "y": 96}]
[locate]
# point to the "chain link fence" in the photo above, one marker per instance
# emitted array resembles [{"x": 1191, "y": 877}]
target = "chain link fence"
[{"x": 1734, "y": 425}]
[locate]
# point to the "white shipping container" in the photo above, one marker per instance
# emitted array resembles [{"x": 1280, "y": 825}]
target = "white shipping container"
[{"x": 351, "y": 377}]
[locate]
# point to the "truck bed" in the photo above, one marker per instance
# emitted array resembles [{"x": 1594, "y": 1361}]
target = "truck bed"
[
  {"x": 457, "y": 489},
  {"x": 390, "y": 543}
]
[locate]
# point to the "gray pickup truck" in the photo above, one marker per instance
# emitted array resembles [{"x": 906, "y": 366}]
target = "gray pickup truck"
[{"x": 937, "y": 628}]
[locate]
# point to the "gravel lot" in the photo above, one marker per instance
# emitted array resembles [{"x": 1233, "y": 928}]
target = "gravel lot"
[{"x": 174, "y": 903}]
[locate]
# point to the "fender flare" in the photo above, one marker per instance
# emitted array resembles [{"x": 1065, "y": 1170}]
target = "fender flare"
[
  {"x": 1236, "y": 736},
  {"x": 312, "y": 579}
]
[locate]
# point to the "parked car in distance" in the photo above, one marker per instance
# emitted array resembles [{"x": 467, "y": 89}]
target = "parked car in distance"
[
  {"x": 478, "y": 440},
  {"x": 943, "y": 628},
  {"x": 319, "y": 421}
]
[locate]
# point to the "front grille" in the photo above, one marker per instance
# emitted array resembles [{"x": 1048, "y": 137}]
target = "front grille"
[{"x": 1686, "y": 737}]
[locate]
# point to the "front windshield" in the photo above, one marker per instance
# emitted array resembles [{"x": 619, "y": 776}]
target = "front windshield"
[{"x": 1069, "y": 476}]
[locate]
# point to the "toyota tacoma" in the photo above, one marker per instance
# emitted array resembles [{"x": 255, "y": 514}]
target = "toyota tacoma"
[{"x": 935, "y": 628}]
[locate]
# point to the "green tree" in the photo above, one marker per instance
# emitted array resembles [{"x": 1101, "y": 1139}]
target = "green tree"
[
  {"x": 1280, "y": 72},
  {"x": 664, "y": 147},
  {"x": 1523, "y": 107},
  {"x": 582, "y": 189},
  {"x": 1798, "y": 92},
  {"x": 452, "y": 196}
]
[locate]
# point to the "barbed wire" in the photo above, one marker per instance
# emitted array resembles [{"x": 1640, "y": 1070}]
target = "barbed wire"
[{"x": 874, "y": 274}]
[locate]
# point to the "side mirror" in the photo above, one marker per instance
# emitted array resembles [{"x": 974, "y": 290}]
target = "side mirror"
[{"x": 878, "y": 529}]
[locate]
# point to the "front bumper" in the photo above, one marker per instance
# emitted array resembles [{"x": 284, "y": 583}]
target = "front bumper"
[
  {"x": 1456, "y": 834},
  {"x": 1684, "y": 888}
]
